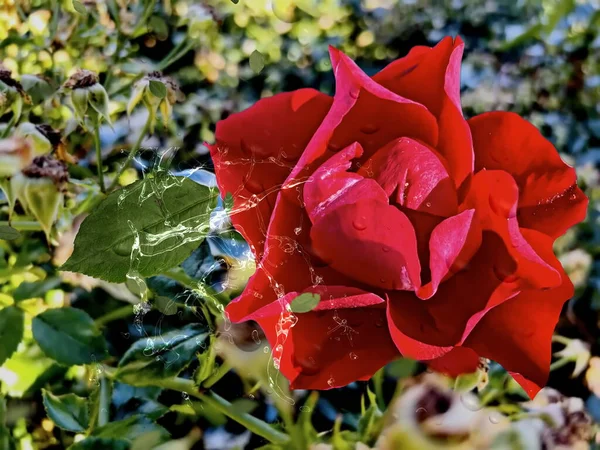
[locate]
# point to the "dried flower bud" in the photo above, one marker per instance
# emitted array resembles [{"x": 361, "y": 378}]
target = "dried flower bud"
[
  {"x": 39, "y": 188},
  {"x": 157, "y": 92},
  {"x": 13, "y": 94},
  {"x": 88, "y": 96}
]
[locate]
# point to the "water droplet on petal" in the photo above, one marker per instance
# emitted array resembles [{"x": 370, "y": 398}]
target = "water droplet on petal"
[
  {"x": 428, "y": 205},
  {"x": 307, "y": 365},
  {"x": 385, "y": 249},
  {"x": 369, "y": 129},
  {"x": 354, "y": 92},
  {"x": 353, "y": 356},
  {"x": 266, "y": 349},
  {"x": 360, "y": 223},
  {"x": 330, "y": 382}
]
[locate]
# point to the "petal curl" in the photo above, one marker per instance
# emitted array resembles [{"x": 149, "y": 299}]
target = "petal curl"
[
  {"x": 416, "y": 173},
  {"x": 550, "y": 200},
  {"x": 432, "y": 77}
]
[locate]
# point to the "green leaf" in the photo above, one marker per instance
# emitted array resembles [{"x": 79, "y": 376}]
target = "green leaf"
[
  {"x": 305, "y": 302},
  {"x": 69, "y": 336},
  {"x": 9, "y": 233},
  {"x": 69, "y": 411},
  {"x": 11, "y": 331},
  {"x": 94, "y": 443},
  {"x": 27, "y": 290},
  {"x": 165, "y": 305},
  {"x": 130, "y": 429},
  {"x": 79, "y": 7},
  {"x": 257, "y": 61},
  {"x": 152, "y": 359},
  {"x": 158, "y": 88},
  {"x": 402, "y": 368},
  {"x": 168, "y": 215}
]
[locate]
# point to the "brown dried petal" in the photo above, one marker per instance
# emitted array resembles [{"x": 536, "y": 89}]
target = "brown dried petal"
[
  {"x": 81, "y": 79},
  {"x": 47, "y": 166}
]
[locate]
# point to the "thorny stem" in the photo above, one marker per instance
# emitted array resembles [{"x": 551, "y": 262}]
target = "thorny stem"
[
  {"x": 99, "y": 157},
  {"x": 132, "y": 154},
  {"x": 217, "y": 402}
]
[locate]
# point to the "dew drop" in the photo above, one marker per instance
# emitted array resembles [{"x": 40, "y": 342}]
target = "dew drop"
[
  {"x": 298, "y": 230},
  {"x": 428, "y": 205},
  {"x": 255, "y": 337},
  {"x": 266, "y": 349},
  {"x": 369, "y": 129},
  {"x": 330, "y": 382},
  {"x": 421, "y": 411},
  {"x": 360, "y": 223},
  {"x": 471, "y": 402},
  {"x": 354, "y": 92},
  {"x": 305, "y": 408},
  {"x": 353, "y": 356},
  {"x": 385, "y": 249},
  {"x": 495, "y": 417},
  {"x": 331, "y": 146},
  {"x": 379, "y": 323}
]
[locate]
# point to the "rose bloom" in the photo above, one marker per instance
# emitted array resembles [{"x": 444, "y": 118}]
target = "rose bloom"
[{"x": 425, "y": 235}]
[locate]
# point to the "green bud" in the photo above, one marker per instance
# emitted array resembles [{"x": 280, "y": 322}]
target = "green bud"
[
  {"x": 88, "y": 96},
  {"x": 79, "y": 99},
  {"x": 39, "y": 189},
  {"x": 98, "y": 100},
  {"x": 157, "y": 92},
  {"x": 13, "y": 94},
  {"x": 39, "y": 141}
]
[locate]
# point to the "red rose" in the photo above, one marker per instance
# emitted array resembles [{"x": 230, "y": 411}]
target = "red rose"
[{"x": 425, "y": 235}]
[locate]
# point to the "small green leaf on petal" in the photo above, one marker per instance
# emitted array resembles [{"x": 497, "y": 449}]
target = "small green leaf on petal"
[{"x": 305, "y": 302}]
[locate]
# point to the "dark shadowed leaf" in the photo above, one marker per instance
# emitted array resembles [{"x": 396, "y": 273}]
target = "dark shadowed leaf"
[
  {"x": 69, "y": 336},
  {"x": 34, "y": 289},
  {"x": 94, "y": 443},
  {"x": 8, "y": 233},
  {"x": 151, "y": 359},
  {"x": 11, "y": 331},
  {"x": 69, "y": 411},
  {"x": 131, "y": 428}
]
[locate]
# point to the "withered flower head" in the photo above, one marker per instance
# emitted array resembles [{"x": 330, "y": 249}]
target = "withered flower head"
[
  {"x": 47, "y": 166},
  {"x": 81, "y": 79}
]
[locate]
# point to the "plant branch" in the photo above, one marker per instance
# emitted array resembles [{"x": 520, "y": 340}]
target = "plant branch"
[
  {"x": 132, "y": 154},
  {"x": 99, "y": 157},
  {"x": 120, "y": 313},
  {"x": 217, "y": 402}
]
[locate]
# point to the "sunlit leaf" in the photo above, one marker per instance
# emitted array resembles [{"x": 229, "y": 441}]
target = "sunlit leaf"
[{"x": 165, "y": 217}]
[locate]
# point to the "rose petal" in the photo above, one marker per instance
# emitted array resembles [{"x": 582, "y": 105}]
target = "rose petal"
[
  {"x": 517, "y": 334},
  {"x": 432, "y": 78},
  {"x": 458, "y": 361},
  {"x": 348, "y": 341},
  {"x": 416, "y": 173},
  {"x": 550, "y": 200},
  {"x": 451, "y": 246},
  {"x": 256, "y": 150},
  {"x": 494, "y": 195}
]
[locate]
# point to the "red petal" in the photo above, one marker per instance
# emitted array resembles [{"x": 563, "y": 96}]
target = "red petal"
[
  {"x": 378, "y": 115},
  {"x": 517, "y": 334},
  {"x": 451, "y": 246},
  {"x": 432, "y": 78},
  {"x": 416, "y": 173},
  {"x": 494, "y": 195},
  {"x": 348, "y": 340},
  {"x": 456, "y": 362},
  {"x": 550, "y": 200},
  {"x": 256, "y": 150}
]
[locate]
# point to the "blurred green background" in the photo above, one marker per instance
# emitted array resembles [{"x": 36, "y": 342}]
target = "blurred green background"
[{"x": 539, "y": 58}]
